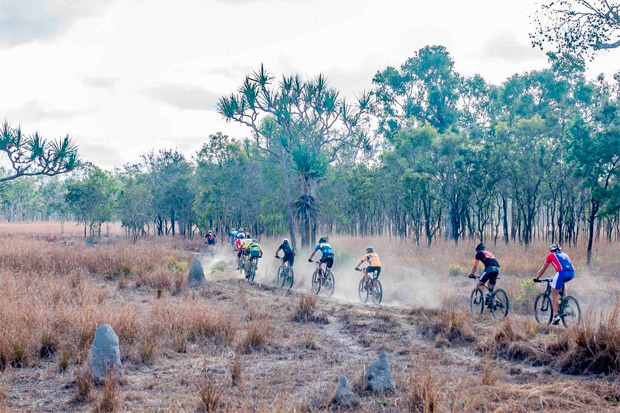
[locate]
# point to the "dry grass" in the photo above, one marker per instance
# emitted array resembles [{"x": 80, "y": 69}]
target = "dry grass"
[
  {"x": 307, "y": 311},
  {"x": 593, "y": 346},
  {"x": 268, "y": 351},
  {"x": 109, "y": 400}
]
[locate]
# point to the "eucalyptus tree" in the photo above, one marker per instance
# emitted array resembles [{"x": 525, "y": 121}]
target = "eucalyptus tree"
[
  {"x": 135, "y": 205},
  {"x": 33, "y": 155},
  {"x": 577, "y": 26},
  {"x": 301, "y": 122},
  {"x": 425, "y": 88},
  {"x": 92, "y": 199}
]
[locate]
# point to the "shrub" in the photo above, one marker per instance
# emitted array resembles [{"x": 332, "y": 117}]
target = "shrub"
[
  {"x": 454, "y": 270},
  {"x": 307, "y": 311},
  {"x": 209, "y": 394},
  {"x": 109, "y": 399}
]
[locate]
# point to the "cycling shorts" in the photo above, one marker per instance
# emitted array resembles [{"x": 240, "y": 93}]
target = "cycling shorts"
[
  {"x": 561, "y": 278},
  {"x": 290, "y": 258},
  {"x": 371, "y": 270},
  {"x": 327, "y": 259},
  {"x": 490, "y": 274},
  {"x": 211, "y": 241},
  {"x": 239, "y": 252}
]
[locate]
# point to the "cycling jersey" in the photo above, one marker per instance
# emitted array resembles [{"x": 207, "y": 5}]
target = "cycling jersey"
[
  {"x": 254, "y": 249},
  {"x": 233, "y": 236},
  {"x": 560, "y": 261},
  {"x": 372, "y": 259},
  {"x": 487, "y": 258},
  {"x": 286, "y": 249},
  {"x": 326, "y": 249}
]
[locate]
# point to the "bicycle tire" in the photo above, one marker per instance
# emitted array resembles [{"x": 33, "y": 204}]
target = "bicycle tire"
[
  {"x": 572, "y": 312},
  {"x": 252, "y": 272},
  {"x": 377, "y": 292},
  {"x": 543, "y": 310},
  {"x": 500, "y": 305},
  {"x": 290, "y": 277},
  {"x": 330, "y": 283},
  {"x": 363, "y": 291},
  {"x": 476, "y": 302},
  {"x": 316, "y": 284},
  {"x": 281, "y": 277}
]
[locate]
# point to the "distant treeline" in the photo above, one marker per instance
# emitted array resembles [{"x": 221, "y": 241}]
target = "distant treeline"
[{"x": 428, "y": 153}]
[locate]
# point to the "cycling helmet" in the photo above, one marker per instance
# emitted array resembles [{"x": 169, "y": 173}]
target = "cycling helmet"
[
  {"x": 555, "y": 248},
  {"x": 285, "y": 241},
  {"x": 241, "y": 235},
  {"x": 323, "y": 240},
  {"x": 370, "y": 249},
  {"x": 480, "y": 247},
  {"x": 210, "y": 232}
]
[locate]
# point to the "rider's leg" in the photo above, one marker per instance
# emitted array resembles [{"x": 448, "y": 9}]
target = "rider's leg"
[
  {"x": 366, "y": 274},
  {"x": 554, "y": 300}
]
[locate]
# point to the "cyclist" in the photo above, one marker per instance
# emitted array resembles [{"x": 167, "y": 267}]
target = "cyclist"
[
  {"x": 254, "y": 251},
  {"x": 289, "y": 253},
  {"x": 374, "y": 263},
  {"x": 564, "y": 273},
  {"x": 233, "y": 237},
  {"x": 327, "y": 258},
  {"x": 245, "y": 243},
  {"x": 210, "y": 238},
  {"x": 238, "y": 245},
  {"x": 491, "y": 269}
]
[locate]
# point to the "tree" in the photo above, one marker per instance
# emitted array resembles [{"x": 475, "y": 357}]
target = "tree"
[
  {"x": 425, "y": 89},
  {"x": 33, "y": 155},
  {"x": 92, "y": 199},
  {"x": 578, "y": 26},
  {"x": 305, "y": 122},
  {"x": 134, "y": 204}
]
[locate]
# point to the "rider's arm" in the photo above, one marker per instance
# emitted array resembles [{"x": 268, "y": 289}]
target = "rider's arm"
[
  {"x": 312, "y": 256},
  {"x": 473, "y": 269},
  {"x": 542, "y": 270}
]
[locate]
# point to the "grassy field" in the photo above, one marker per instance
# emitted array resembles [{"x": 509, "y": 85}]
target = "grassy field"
[{"x": 239, "y": 347}]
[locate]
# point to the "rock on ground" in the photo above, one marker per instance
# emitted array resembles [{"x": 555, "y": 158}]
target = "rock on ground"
[
  {"x": 196, "y": 276},
  {"x": 105, "y": 354},
  {"x": 344, "y": 397},
  {"x": 379, "y": 377}
]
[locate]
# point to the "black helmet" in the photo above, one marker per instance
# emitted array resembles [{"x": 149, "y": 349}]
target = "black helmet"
[
  {"x": 555, "y": 248},
  {"x": 322, "y": 240},
  {"x": 480, "y": 247},
  {"x": 370, "y": 249}
]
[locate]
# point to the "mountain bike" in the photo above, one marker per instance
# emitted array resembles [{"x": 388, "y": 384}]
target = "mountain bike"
[
  {"x": 242, "y": 262},
  {"x": 323, "y": 279},
  {"x": 211, "y": 249},
  {"x": 496, "y": 302},
  {"x": 251, "y": 271},
  {"x": 286, "y": 276},
  {"x": 371, "y": 287},
  {"x": 569, "y": 309}
]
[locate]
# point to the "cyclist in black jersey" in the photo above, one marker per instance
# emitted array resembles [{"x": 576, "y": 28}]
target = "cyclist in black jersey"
[{"x": 491, "y": 269}]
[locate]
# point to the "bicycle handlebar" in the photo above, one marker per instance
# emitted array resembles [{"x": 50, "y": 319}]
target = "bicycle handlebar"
[{"x": 546, "y": 280}]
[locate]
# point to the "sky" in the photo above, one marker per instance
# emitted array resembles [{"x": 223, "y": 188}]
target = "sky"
[{"x": 123, "y": 77}]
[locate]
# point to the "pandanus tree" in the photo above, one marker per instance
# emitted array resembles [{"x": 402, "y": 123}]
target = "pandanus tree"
[
  {"x": 33, "y": 156},
  {"x": 300, "y": 123}
]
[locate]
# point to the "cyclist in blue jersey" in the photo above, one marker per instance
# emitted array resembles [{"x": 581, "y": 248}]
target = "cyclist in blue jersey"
[
  {"x": 564, "y": 273},
  {"x": 327, "y": 257}
]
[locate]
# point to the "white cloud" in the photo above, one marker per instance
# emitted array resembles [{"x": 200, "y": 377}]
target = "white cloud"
[{"x": 145, "y": 74}]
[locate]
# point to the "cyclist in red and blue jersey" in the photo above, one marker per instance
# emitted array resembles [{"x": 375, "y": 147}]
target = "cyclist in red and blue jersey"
[
  {"x": 564, "y": 273},
  {"x": 327, "y": 258},
  {"x": 491, "y": 269}
]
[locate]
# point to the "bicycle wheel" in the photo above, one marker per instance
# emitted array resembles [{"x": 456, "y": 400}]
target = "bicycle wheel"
[
  {"x": 571, "y": 312},
  {"x": 330, "y": 283},
  {"x": 543, "y": 311},
  {"x": 290, "y": 277},
  {"x": 316, "y": 283},
  {"x": 281, "y": 277},
  {"x": 500, "y": 304},
  {"x": 476, "y": 302},
  {"x": 363, "y": 291},
  {"x": 252, "y": 271},
  {"x": 377, "y": 291}
]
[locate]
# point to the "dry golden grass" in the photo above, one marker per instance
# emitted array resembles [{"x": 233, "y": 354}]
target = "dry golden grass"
[{"x": 235, "y": 347}]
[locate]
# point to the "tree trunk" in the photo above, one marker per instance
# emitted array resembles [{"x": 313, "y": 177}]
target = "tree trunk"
[
  {"x": 593, "y": 212},
  {"x": 287, "y": 195}
]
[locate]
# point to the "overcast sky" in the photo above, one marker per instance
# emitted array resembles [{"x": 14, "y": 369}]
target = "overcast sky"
[{"x": 126, "y": 76}]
